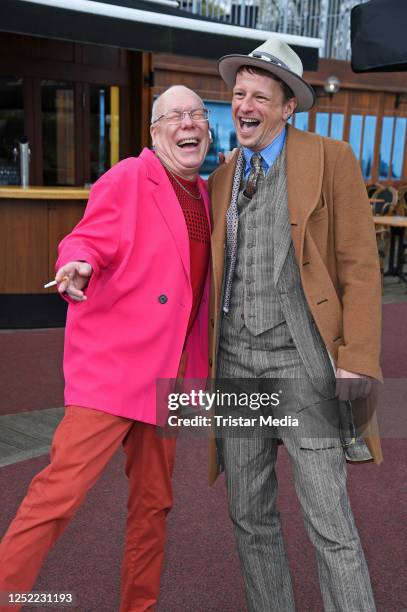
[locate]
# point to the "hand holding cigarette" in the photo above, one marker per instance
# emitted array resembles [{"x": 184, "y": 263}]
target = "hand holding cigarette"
[{"x": 72, "y": 279}]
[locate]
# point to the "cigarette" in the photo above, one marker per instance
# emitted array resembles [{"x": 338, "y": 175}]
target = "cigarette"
[{"x": 54, "y": 282}]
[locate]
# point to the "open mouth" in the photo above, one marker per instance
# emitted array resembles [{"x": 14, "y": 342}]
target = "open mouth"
[
  {"x": 248, "y": 124},
  {"x": 188, "y": 143}
]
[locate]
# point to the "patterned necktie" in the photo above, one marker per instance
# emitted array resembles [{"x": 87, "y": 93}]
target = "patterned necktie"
[
  {"x": 232, "y": 222},
  {"x": 256, "y": 172}
]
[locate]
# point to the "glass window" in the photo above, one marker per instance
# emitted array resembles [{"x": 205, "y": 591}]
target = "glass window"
[
  {"x": 322, "y": 124},
  {"x": 104, "y": 129},
  {"x": 58, "y": 133},
  {"x": 223, "y": 133},
  {"x": 369, "y": 134},
  {"x": 398, "y": 147},
  {"x": 385, "y": 147},
  {"x": 301, "y": 121},
  {"x": 11, "y": 127},
  {"x": 336, "y": 126},
  {"x": 355, "y": 134}
]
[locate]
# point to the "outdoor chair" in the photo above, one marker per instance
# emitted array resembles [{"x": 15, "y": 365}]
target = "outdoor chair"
[
  {"x": 371, "y": 189},
  {"x": 387, "y": 206},
  {"x": 383, "y": 244},
  {"x": 401, "y": 208}
]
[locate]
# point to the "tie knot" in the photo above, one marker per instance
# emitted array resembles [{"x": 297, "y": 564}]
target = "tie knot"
[{"x": 256, "y": 171}]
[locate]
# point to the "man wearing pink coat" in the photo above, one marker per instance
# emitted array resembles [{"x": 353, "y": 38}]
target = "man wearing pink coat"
[{"x": 135, "y": 271}]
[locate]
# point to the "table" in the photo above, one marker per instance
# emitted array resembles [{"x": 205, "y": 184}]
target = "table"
[{"x": 398, "y": 224}]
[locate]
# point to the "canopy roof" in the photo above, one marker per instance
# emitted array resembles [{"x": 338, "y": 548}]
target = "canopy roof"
[{"x": 147, "y": 25}]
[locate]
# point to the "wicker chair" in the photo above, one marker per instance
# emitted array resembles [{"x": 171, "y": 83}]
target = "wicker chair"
[
  {"x": 383, "y": 244},
  {"x": 371, "y": 189},
  {"x": 390, "y": 198},
  {"x": 401, "y": 208}
]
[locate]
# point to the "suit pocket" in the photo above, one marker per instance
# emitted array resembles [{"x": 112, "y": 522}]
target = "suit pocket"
[{"x": 319, "y": 425}]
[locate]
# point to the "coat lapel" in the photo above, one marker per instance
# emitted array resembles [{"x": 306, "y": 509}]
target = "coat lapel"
[
  {"x": 167, "y": 202},
  {"x": 205, "y": 196},
  {"x": 281, "y": 233},
  {"x": 220, "y": 188},
  {"x": 282, "y": 241},
  {"x": 305, "y": 166}
]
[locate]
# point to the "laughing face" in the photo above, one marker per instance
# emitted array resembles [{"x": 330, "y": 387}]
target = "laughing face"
[
  {"x": 181, "y": 147},
  {"x": 258, "y": 109}
]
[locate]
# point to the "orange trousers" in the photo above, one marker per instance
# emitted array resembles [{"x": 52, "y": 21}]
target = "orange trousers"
[{"x": 83, "y": 444}]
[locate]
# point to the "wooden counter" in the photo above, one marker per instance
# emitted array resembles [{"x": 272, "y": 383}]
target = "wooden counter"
[
  {"x": 32, "y": 223},
  {"x": 43, "y": 193}
]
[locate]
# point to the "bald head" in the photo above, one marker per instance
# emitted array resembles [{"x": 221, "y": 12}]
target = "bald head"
[
  {"x": 163, "y": 102},
  {"x": 180, "y": 139}
]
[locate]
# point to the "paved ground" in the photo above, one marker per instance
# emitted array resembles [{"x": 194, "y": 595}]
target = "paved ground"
[
  {"x": 27, "y": 434},
  {"x": 395, "y": 291}
]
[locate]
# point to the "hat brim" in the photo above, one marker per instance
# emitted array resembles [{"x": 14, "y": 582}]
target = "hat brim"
[{"x": 228, "y": 65}]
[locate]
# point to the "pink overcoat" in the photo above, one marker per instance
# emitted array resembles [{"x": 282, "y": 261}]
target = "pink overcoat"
[{"x": 131, "y": 329}]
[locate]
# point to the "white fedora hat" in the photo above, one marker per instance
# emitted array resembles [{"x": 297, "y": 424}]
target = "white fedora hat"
[{"x": 276, "y": 57}]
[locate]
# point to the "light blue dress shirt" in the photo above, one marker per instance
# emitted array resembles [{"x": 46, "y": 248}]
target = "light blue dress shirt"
[{"x": 268, "y": 155}]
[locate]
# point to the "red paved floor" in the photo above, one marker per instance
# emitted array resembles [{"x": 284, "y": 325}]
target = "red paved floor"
[
  {"x": 31, "y": 370},
  {"x": 202, "y": 570}
]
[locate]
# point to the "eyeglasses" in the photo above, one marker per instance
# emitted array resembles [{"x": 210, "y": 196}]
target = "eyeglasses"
[{"x": 174, "y": 117}]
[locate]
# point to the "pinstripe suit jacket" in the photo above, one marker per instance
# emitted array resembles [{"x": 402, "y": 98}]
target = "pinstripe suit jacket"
[{"x": 333, "y": 235}]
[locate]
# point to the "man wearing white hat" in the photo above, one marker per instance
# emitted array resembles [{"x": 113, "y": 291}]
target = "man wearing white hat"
[{"x": 296, "y": 289}]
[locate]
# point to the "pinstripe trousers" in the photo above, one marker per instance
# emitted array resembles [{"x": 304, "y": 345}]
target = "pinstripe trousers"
[{"x": 319, "y": 470}]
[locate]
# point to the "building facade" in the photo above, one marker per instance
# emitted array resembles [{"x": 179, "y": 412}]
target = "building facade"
[{"x": 81, "y": 94}]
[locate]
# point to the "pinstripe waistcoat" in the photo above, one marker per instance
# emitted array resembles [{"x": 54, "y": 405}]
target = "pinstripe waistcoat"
[{"x": 266, "y": 286}]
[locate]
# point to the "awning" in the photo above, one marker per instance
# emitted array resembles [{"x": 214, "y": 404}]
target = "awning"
[
  {"x": 379, "y": 36},
  {"x": 141, "y": 25}
]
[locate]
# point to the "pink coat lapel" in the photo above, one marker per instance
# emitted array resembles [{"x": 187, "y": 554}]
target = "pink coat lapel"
[{"x": 166, "y": 200}]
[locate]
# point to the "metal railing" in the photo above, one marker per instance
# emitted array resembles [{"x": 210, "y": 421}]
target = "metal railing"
[{"x": 326, "y": 19}]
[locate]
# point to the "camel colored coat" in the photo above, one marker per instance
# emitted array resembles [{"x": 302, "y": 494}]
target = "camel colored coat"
[{"x": 334, "y": 240}]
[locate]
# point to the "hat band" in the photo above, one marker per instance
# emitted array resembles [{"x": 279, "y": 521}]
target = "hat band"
[{"x": 269, "y": 58}]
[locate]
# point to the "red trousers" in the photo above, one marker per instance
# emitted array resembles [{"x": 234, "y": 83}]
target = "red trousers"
[{"x": 83, "y": 444}]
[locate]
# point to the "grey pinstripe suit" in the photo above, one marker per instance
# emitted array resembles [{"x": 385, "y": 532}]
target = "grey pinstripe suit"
[{"x": 269, "y": 333}]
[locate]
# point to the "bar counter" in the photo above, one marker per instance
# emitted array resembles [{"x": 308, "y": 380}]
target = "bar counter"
[
  {"x": 33, "y": 221},
  {"x": 43, "y": 193}
]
